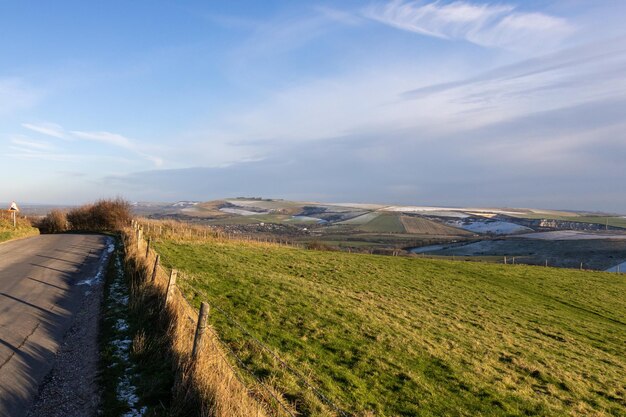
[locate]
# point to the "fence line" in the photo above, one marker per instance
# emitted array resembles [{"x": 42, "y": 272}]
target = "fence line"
[
  {"x": 158, "y": 267},
  {"x": 249, "y": 372},
  {"x": 303, "y": 380}
]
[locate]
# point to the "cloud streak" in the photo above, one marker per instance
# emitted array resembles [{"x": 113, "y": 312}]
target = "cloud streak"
[
  {"x": 102, "y": 137},
  {"x": 482, "y": 24},
  {"x": 48, "y": 129}
]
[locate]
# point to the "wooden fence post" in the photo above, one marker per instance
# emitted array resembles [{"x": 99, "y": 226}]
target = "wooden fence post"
[
  {"x": 200, "y": 329},
  {"x": 170, "y": 285},
  {"x": 156, "y": 268},
  {"x": 148, "y": 246},
  {"x": 138, "y": 238}
]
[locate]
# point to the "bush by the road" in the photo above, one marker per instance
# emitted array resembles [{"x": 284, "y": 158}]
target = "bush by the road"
[
  {"x": 54, "y": 222},
  {"x": 101, "y": 216}
]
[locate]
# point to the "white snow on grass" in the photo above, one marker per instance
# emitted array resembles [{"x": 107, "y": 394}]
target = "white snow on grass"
[
  {"x": 430, "y": 248},
  {"x": 449, "y": 210},
  {"x": 496, "y": 227},
  {"x": 241, "y": 212},
  {"x": 574, "y": 235},
  {"x": 362, "y": 219},
  {"x": 117, "y": 301},
  {"x": 618, "y": 268},
  {"x": 121, "y": 325},
  {"x": 307, "y": 219}
]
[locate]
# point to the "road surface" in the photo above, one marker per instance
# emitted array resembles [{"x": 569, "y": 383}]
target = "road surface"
[{"x": 41, "y": 287}]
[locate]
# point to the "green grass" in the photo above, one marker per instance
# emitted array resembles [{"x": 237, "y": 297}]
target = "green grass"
[
  {"x": 23, "y": 229},
  {"x": 386, "y": 223},
  {"x": 418, "y": 337}
]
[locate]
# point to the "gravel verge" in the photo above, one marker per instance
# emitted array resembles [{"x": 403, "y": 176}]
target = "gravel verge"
[{"x": 71, "y": 389}]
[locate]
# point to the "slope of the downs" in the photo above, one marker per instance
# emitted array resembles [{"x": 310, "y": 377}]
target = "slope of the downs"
[
  {"x": 420, "y": 225},
  {"x": 391, "y": 336}
]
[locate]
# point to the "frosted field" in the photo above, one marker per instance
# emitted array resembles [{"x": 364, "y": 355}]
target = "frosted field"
[
  {"x": 573, "y": 235},
  {"x": 241, "y": 212},
  {"x": 495, "y": 227}
]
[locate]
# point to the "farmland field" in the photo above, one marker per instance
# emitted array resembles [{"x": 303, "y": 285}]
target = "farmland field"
[
  {"x": 387, "y": 223},
  {"x": 416, "y": 337}
]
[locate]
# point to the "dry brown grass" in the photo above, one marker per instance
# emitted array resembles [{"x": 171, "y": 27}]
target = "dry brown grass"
[{"x": 207, "y": 386}]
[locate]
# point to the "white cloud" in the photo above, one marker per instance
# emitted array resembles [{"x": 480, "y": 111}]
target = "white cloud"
[
  {"x": 486, "y": 25},
  {"x": 26, "y": 143},
  {"x": 48, "y": 129},
  {"x": 26, "y": 148},
  {"x": 105, "y": 137}
]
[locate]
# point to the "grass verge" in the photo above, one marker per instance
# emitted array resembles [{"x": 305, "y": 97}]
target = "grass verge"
[
  {"x": 136, "y": 372},
  {"x": 166, "y": 380},
  {"x": 23, "y": 229}
]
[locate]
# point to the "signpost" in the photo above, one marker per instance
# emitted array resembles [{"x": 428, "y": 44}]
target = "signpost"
[{"x": 14, "y": 209}]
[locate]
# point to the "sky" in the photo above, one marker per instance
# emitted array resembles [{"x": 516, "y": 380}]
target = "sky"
[{"x": 460, "y": 103}]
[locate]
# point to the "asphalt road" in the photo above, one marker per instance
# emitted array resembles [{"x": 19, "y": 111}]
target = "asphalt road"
[{"x": 41, "y": 288}]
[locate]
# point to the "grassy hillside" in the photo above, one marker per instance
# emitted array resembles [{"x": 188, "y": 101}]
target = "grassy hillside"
[
  {"x": 417, "y": 337},
  {"x": 420, "y": 225},
  {"x": 385, "y": 223},
  {"x": 8, "y": 232}
]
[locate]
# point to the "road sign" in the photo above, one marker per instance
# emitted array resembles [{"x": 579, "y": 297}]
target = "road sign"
[{"x": 14, "y": 207}]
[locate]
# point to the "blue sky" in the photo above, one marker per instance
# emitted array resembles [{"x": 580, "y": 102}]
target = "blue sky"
[{"x": 446, "y": 102}]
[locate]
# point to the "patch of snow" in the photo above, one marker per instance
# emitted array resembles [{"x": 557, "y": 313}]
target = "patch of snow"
[
  {"x": 307, "y": 219},
  {"x": 121, "y": 325},
  {"x": 185, "y": 203},
  {"x": 102, "y": 262},
  {"x": 425, "y": 249},
  {"x": 125, "y": 391},
  {"x": 619, "y": 267},
  {"x": 365, "y": 206},
  {"x": 362, "y": 219},
  {"x": 426, "y": 209},
  {"x": 496, "y": 227},
  {"x": 574, "y": 235},
  {"x": 242, "y": 212}
]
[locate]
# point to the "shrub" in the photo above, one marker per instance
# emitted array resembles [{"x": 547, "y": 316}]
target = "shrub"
[
  {"x": 103, "y": 215},
  {"x": 317, "y": 245},
  {"x": 54, "y": 222}
]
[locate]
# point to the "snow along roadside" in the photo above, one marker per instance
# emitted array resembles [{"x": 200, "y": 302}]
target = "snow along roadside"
[{"x": 118, "y": 343}]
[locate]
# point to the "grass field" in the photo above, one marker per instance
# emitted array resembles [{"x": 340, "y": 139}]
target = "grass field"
[
  {"x": 8, "y": 232},
  {"x": 392, "y": 336},
  {"x": 385, "y": 222}
]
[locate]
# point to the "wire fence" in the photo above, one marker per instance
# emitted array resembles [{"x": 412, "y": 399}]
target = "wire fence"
[{"x": 242, "y": 372}]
